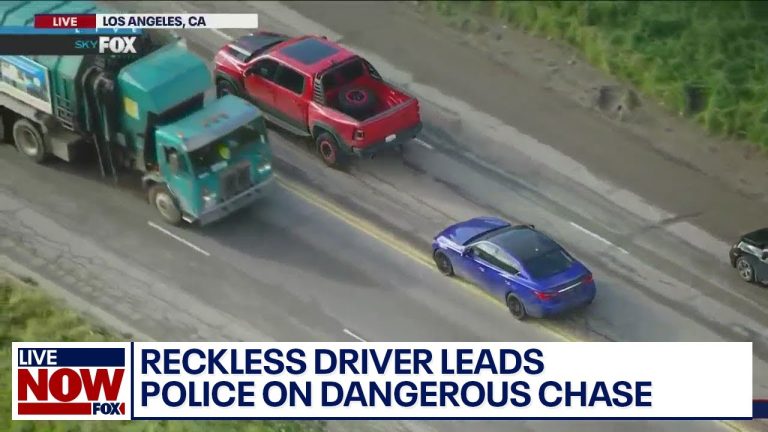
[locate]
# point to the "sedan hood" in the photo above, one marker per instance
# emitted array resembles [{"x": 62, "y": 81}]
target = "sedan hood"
[{"x": 462, "y": 232}]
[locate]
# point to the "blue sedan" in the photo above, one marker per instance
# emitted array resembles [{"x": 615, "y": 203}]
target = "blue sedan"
[{"x": 527, "y": 270}]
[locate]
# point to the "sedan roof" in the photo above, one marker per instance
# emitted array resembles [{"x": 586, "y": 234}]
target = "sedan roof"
[{"x": 524, "y": 243}]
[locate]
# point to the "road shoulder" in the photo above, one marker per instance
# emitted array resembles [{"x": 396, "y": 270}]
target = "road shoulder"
[{"x": 657, "y": 157}]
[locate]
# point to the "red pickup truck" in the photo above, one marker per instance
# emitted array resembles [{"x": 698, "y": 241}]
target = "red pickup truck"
[{"x": 316, "y": 88}]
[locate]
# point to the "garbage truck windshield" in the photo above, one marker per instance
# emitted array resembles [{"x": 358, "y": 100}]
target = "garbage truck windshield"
[{"x": 229, "y": 148}]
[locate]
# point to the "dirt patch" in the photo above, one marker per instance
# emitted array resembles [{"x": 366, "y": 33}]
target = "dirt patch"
[{"x": 561, "y": 69}]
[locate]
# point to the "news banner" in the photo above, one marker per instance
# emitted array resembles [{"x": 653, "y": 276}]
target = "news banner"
[
  {"x": 84, "y": 34},
  {"x": 331, "y": 380}
]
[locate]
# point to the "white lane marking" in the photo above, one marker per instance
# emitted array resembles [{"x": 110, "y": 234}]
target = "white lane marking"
[
  {"x": 424, "y": 143},
  {"x": 221, "y": 34},
  {"x": 349, "y": 332},
  {"x": 177, "y": 238},
  {"x": 591, "y": 234}
]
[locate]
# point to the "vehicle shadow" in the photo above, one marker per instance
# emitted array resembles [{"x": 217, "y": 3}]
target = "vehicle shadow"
[{"x": 276, "y": 229}]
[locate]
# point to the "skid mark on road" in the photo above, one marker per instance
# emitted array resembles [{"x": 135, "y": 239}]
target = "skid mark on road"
[{"x": 177, "y": 238}]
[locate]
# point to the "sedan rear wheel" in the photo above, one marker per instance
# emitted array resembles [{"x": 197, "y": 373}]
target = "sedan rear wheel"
[
  {"x": 516, "y": 307},
  {"x": 746, "y": 272}
]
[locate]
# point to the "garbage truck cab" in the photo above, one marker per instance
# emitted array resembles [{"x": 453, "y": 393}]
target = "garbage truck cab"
[
  {"x": 201, "y": 162},
  {"x": 144, "y": 111},
  {"x": 213, "y": 162}
]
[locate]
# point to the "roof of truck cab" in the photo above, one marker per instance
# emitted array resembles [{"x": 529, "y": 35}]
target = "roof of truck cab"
[
  {"x": 311, "y": 54},
  {"x": 215, "y": 120}
]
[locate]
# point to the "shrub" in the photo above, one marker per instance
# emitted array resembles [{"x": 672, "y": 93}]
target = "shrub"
[{"x": 706, "y": 59}]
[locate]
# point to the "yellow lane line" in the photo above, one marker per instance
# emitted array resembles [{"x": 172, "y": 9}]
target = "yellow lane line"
[
  {"x": 400, "y": 246},
  {"x": 420, "y": 257}
]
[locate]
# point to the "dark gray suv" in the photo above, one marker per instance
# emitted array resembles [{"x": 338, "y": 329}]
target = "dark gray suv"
[{"x": 749, "y": 256}]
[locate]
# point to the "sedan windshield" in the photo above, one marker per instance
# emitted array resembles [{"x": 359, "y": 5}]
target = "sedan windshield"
[{"x": 548, "y": 264}]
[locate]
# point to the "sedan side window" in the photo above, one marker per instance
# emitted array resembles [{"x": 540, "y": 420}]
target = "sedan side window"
[
  {"x": 482, "y": 255},
  {"x": 505, "y": 263},
  {"x": 495, "y": 257}
]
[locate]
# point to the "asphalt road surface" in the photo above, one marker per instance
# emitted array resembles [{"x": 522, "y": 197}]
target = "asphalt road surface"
[{"x": 342, "y": 256}]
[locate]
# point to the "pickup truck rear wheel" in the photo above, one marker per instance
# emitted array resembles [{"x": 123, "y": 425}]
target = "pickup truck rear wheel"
[
  {"x": 29, "y": 140},
  {"x": 163, "y": 201},
  {"x": 329, "y": 150}
]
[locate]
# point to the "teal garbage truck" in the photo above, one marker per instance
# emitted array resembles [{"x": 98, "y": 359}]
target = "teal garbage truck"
[{"x": 198, "y": 161}]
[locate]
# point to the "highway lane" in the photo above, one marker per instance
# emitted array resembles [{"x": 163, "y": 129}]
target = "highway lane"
[
  {"x": 652, "y": 285},
  {"x": 287, "y": 268},
  {"x": 294, "y": 271},
  {"x": 285, "y": 271}
]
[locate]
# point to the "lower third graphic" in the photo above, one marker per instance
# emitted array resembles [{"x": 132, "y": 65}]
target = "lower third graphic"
[{"x": 70, "y": 381}]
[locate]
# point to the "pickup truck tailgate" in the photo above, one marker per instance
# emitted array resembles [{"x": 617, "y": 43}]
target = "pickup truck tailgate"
[{"x": 398, "y": 118}]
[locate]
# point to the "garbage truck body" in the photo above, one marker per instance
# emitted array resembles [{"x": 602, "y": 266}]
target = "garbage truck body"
[{"x": 147, "y": 112}]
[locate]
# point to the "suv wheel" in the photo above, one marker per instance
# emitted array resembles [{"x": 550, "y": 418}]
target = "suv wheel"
[{"x": 746, "y": 272}]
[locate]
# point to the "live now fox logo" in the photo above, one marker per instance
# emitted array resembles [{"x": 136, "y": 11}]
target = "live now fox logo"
[{"x": 70, "y": 381}]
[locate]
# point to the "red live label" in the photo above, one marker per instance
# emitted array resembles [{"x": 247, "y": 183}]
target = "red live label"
[{"x": 65, "y": 21}]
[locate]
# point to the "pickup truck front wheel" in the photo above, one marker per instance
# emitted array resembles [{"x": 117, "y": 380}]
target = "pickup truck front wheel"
[
  {"x": 329, "y": 150},
  {"x": 224, "y": 87}
]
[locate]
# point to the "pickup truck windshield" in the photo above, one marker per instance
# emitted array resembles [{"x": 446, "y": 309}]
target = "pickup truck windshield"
[
  {"x": 228, "y": 147},
  {"x": 343, "y": 74}
]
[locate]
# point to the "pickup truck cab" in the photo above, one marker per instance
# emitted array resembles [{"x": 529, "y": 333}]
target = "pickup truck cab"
[{"x": 313, "y": 87}]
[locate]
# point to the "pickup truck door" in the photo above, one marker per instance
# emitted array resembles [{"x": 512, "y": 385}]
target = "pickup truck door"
[
  {"x": 260, "y": 84},
  {"x": 290, "y": 100}
]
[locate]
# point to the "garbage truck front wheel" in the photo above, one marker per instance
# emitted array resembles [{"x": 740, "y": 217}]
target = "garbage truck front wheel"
[{"x": 164, "y": 202}]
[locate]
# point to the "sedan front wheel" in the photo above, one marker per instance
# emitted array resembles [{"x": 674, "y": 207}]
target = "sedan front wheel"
[{"x": 443, "y": 263}]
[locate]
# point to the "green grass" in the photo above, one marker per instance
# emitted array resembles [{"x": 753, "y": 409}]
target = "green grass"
[
  {"x": 705, "y": 59},
  {"x": 32, "y": 316}
]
